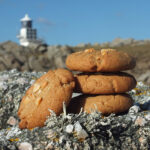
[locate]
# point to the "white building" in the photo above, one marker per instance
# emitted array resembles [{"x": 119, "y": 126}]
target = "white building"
[{"x": 27, "y": 35}]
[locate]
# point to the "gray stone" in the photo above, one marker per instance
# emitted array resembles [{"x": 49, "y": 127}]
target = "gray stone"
[
  {"x": 144, "y": 77},
  {"x": 120, "y": 42}
]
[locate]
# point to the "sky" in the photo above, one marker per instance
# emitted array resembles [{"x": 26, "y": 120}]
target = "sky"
[{"x": 71, "y": 22}]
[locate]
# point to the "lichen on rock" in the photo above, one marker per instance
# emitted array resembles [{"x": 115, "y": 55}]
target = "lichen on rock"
[{"x": 72, "y": 131}]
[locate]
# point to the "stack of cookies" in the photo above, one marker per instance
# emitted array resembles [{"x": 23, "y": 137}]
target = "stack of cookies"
[{"x": 102, "y": 84}]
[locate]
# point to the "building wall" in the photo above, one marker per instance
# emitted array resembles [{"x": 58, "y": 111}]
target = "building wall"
[{"x": 23, "y": 33}]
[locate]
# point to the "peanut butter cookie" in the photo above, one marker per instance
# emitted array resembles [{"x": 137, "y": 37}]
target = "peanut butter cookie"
[
  {"x": 106, "y": 104},
  {"x": 105, "y": 60},
  {"x": 104, "y": 83}
]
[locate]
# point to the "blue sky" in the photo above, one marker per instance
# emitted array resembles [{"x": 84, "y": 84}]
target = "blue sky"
[{"x": 73, "y": 22}]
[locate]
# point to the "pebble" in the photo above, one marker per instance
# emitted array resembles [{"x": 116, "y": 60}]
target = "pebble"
[
  {"x": 78, "y": 127},
  {"x": 22, "y": 81},
  {"x": 61, "y": 139},
  {"x": 69, "y": 128},
  {"x": 142, "y": 140},
  {"x": 140, "y": 121},
  {"x": 3, "y": 85},
  {"x": 147, "y": 116},
  {"x": 12, "y": 121},
  {"x": 81, "y": 133},
  {"x": 25, "y": 146},
  {"x": 49, "y": 146},
  {"x": 50, "y": 134},
  {"x": 134, "y": 109}
]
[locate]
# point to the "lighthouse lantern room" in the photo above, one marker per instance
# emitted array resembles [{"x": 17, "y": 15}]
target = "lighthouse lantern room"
[{"x": 27, "y": 35}]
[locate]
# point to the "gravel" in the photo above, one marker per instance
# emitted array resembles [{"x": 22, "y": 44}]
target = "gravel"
[{"x": 130, "y": 130}]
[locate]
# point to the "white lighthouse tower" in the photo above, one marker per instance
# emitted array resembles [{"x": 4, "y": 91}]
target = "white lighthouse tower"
[{"x": 27, "y": 35}]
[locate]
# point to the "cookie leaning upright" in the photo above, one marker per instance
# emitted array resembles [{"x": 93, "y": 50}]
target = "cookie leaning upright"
[
  {"x": 48, "y": 92},
  {"x": 105, "y": 60}
]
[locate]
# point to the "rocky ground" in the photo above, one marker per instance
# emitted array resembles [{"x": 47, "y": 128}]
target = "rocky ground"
[
  {"x": 130, "y": 130},
  {"x": 44, "y": 57}
]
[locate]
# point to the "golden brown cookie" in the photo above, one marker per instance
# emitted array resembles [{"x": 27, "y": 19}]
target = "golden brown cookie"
[
  {"x": 48, "y": 92},
  {"x": 105, "y": 60},
  {"x": 106, "y": 104},
  {"x": 104, "y": 83}
]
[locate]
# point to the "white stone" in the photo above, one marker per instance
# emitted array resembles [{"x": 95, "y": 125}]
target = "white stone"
[
  {"x": 134, "y": 109},
  {"x": 81, "y": 133},
  {"x": 147, "y": 116},
  {"x": 68, "y": 146},
  {"x": 78, "y": 127},
  {"x": 61, "y": 139},
  {"x": 12, "y": 121},
  {"x": 22, "y": 81},
  {"x": 3, "y": 85},
  {"x": 69, "y": 128},
  {"x": 25, "y": 146}
]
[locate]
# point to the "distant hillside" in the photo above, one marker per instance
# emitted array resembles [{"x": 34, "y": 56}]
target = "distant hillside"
[{"x": 44, "y": 57}]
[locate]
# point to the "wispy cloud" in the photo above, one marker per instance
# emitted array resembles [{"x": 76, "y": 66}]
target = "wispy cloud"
[
  {"x": 41, "y": 6},
  {"x": 45, "y": 21},
  {"x": 119, "y": 14}
]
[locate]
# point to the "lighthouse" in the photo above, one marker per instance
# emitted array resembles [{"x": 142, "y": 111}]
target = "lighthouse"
[{"x": 27, "y": 34}]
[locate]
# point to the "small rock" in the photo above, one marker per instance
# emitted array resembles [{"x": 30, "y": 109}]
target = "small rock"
[
  {"x": 51, "y": 134},
  {"x": 140, "y": 121},
  {"x": 81, "y": 133},
  {"x": 3, "y": 86},
  {"x": 142, "y": 140},
  {"x": 68, "y": 145},
  {"x": 78, "y": 127},
  {"x": 49, "y": 146},
  {"x": 25, "y": 146},
  {"x": 69, "y": 128},
  {"x": 22, "y": 81},
  {"x": 134, "y": 109},
  {"x": 147, "y": 116},
  {"x": 61, "y": 139},
  {"x": 12, "y": 121}
]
